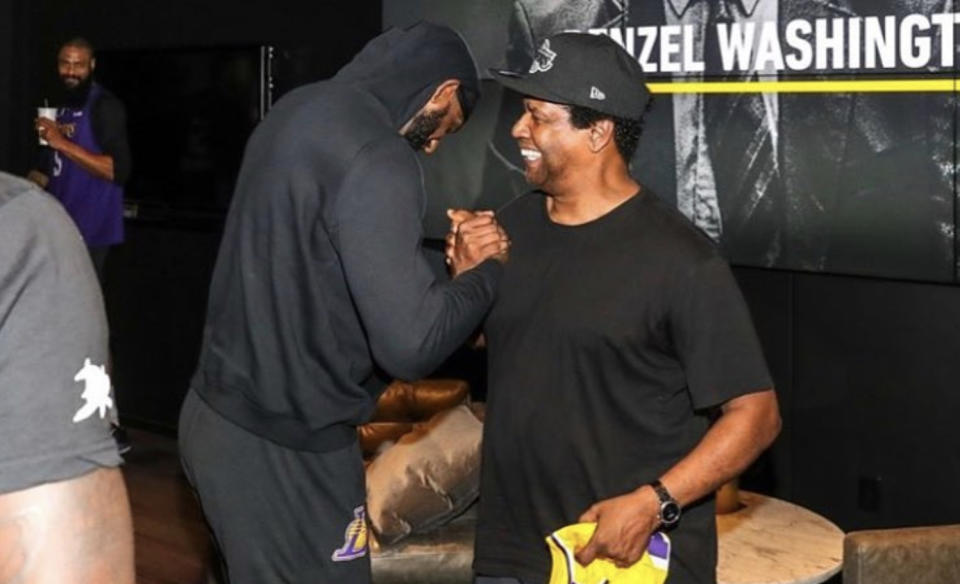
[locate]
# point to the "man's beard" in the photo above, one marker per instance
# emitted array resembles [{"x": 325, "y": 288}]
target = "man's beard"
[
  {"x": 76, "y": 96},
  {"x": 423, "y": 126}
]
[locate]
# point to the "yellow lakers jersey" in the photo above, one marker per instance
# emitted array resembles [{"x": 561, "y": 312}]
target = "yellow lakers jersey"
[{"x": 563, "y": 543}]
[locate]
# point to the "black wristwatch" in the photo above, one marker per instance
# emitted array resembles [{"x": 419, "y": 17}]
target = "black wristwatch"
[{"x": 669, "y": 508}]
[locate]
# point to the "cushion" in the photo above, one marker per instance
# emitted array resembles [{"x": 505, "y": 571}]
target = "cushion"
[
  {"x": 376, "y": 437},
  {"x": 428, "y": 477}
]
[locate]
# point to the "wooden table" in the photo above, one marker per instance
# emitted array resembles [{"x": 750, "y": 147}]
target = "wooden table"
[{"x": 770, "y": 541}]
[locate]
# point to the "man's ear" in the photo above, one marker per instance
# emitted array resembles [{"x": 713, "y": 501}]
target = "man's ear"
[
  {"x": 93, "y": 64},
  {"x": 601, "y": 134},
  {"x": 444, "y": 93}
]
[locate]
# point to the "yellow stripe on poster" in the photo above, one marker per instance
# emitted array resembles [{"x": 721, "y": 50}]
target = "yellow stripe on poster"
[{"x": 822, "y": 86}]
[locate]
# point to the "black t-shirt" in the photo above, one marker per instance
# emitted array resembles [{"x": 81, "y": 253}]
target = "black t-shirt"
[
  {"x": 109, "y": 120},
  {"x": 607, "y": 343}
]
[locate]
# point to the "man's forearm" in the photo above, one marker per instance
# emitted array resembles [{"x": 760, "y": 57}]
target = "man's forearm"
[
  {"x": 624, "y": 523},
  {"x": 746, "y": 428},
  {"x": 73, "y": 530},
  {"x": 100, "y": 165}
]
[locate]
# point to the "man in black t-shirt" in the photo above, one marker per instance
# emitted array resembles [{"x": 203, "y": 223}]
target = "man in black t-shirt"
[{"x": 617, "y": 331}]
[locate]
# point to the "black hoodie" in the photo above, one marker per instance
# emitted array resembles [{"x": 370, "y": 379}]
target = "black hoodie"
[{"x": 320, "y": 275}]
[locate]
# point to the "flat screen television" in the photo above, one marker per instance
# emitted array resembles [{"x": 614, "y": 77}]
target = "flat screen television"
[{"x": 189, "y": 114}]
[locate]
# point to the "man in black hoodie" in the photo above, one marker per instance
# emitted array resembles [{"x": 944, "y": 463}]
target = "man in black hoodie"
[{"x": 319, "y": 293}]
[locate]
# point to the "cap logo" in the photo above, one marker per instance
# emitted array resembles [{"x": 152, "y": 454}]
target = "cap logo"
[
  {"x": 597, "y": 94},
  {"x": 543, "y": 60}
]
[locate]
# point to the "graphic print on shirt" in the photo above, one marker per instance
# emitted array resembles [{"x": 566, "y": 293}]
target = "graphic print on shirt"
[
  {"x": 354, "y": 538},
  {"x": 96, "y": 391},
  {"x": 69, "y": 130}
]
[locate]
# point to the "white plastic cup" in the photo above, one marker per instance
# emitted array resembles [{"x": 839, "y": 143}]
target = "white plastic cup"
[{"x": 46, "y": 112}]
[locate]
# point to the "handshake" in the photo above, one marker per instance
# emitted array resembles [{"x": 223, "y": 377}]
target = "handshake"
[{"x": 474, "y": 237}]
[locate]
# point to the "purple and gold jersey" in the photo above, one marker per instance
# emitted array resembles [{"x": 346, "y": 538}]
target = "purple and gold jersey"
[
  {"x": 651, "y": 568},
  {"x": 95, "y": 204}
]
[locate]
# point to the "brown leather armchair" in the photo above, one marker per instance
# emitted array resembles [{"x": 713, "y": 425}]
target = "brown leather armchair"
[
  {"x": 406, "y": 403},
  {"x": 914, "y": 555},
  {"x": 443, "y": 555}
]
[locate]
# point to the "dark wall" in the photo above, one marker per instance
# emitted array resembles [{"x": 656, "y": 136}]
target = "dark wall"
[
  {"x": 323, "y": 35},
  {"x": 867, "y": 376},
  {"x": 156, "y": 291},
  {"x": 6, "y": 65},
  {"x": 770, "y": 295},
  {"x": 157, "y": 280}
]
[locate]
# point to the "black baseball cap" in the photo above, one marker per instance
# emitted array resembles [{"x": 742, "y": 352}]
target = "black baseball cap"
[{"x": 583, "y": 69}]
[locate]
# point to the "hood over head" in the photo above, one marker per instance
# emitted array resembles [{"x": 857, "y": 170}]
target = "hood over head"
[{"x": 403, "y": 67}]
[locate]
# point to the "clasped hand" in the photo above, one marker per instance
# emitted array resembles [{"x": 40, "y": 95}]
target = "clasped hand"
[
  {"x": 50, "y": 131},
  {"x": 474, "y": 236}
]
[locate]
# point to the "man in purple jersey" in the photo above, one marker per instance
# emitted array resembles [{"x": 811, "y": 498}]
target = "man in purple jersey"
[{"x": 89, "y": 158}]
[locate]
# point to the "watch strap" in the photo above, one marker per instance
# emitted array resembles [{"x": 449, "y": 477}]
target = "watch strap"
[
  {"x": 662, "y": 493},
  {"x": 670, "y": 511}
]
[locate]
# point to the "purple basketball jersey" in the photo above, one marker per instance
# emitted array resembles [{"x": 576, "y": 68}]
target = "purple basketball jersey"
[{"x": 95, "y": 204}]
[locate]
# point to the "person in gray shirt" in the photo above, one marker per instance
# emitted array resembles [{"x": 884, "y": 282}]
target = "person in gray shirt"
[{"x": 64, "y": 512}]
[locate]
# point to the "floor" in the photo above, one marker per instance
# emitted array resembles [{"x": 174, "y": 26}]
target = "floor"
[
  {"x": 170, "y": 537},
  {"x": 172, "y": 546}
]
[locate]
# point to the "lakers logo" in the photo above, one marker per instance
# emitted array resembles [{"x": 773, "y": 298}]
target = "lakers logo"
[
  {"x": 68, "y": 130},
  {"x": 543, "y": 61},
  {"x": 354, "y": 538}
]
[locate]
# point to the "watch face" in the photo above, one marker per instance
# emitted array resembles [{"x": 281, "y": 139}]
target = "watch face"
[{"x": 669, "y": 513}]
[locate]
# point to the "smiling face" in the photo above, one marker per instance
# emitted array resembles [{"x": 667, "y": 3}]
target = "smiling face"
[
  {"x": 549, "y": 144},
  {"x": 74, "y": 64}
]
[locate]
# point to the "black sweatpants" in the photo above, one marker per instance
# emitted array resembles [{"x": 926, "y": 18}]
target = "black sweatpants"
[{"x": 276, "y": 514}]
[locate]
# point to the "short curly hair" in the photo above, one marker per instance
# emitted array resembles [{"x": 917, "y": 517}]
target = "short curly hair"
[{"x": 626, "y": 133}]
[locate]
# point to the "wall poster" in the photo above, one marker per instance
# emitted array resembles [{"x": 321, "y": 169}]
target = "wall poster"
[{"x": 823, "y": 170}]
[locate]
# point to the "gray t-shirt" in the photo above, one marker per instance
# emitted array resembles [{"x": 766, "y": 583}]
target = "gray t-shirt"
[{"x": 55, "y": 395}]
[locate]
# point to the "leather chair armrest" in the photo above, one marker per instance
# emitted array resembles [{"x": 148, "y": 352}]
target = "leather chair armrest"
[
  {"x": 373, "y": 435},
  {"x": 919, "y": 555},
  {"x": 417, "y": 401}
]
